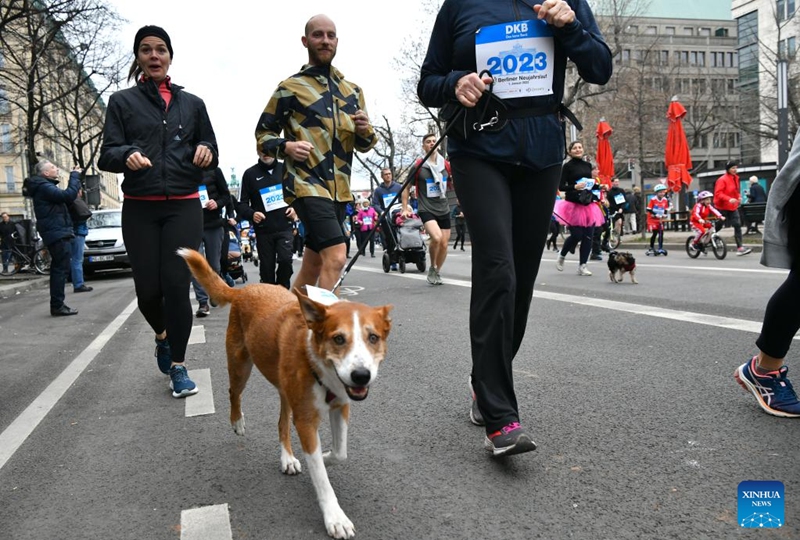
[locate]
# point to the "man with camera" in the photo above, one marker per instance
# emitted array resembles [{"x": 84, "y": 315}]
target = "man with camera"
[{"x": 53, "y": 221}]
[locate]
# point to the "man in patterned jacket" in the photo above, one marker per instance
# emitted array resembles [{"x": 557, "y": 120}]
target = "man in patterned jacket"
[{"x": 322, "y": 119}]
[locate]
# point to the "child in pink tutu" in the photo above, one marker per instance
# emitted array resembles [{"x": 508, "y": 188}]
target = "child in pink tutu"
[{"x": 578, "y": 210}]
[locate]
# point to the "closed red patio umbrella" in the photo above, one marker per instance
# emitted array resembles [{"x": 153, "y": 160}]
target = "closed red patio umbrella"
[
  {"x": 677, "y": 157},
  {"x": 605, "y": 159}
]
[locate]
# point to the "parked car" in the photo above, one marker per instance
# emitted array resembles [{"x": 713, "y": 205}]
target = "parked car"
[{"x": 105, "y": 248}]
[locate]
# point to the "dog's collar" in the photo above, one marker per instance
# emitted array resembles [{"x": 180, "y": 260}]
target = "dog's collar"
[{"x": 329, "y": 396}]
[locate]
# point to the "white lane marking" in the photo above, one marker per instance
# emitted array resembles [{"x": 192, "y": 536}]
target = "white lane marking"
[
  {"x": 206, "y": 523},
  {"x": 650, "y": 311},
  {"x": 22, "y": 426},
  {"x": 198, "y": 335},
  {"x": 202, "y": 403}
]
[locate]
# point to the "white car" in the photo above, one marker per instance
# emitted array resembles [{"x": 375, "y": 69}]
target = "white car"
[{"x": 105, "y": 248}]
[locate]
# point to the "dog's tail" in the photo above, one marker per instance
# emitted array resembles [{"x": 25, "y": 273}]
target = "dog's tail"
[{"x": 215, "y": 286}]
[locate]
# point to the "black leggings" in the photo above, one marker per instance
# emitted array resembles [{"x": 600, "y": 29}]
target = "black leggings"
[
  {"x": 153, "y": 231},
  {"x": 585, "y": 236},
  {"x": 508, "y": 211}
]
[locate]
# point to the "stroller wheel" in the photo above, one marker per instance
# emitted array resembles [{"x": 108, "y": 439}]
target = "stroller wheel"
[
  {"x": 402, "y": 265},
  {"x": 386, "y": 261}
]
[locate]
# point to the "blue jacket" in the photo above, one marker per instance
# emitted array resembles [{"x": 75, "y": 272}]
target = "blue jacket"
[
  {"x": 50, "y": 206},
  {"x": 535, "y": 141}
]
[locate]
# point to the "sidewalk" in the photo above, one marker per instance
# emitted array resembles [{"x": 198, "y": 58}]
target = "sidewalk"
[{"x": 21, "y": 282}]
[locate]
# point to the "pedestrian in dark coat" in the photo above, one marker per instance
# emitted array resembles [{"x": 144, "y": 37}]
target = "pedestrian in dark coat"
[{"x": 51, "y": 207}]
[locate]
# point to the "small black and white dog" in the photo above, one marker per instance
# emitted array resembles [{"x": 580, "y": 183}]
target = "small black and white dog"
[{"x": 618, "y": 264}]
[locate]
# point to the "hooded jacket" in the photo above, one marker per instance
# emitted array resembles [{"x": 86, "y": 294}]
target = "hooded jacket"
[
  {"x": 315, "y": 106},
  {"x": 137, "y": 120},
  {"x": 533, "y": 141},
  {"x": 782, "y": 220},
  {"x": 725, "y": 189},
  {"x": 50, "y": 205}
]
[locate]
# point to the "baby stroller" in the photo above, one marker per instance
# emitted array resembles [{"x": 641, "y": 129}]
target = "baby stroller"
[
  {"x": 235, "y": 267},
  {"x": 404, "y": 243}
]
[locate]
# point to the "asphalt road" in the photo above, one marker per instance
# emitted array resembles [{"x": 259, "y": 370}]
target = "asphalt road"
[{"x": 627, "y": 389}]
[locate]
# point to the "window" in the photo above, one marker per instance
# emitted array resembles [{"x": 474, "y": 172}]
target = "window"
[
  {"x": 669, "y": 30},
  {"x": 4, "y": 105},
  {"x": 684, "y": 58},
  {"x": 651, "y": 30},
  {"x": 626, "y": 56},
  {"x": 701, "y": 59},
  {"x": 704, "y": 32},
  {"x": 693, "y": 58},
  {"x": 699, "y": 86},
  {"x": 633, "y": 29},
  {"x": 787, "y": 48},
  {"x": 663, "y": 58},
  {"x": 688, "y": 30},
  {"x": 784, "y": 9},
  {"x": 6, "y": 146},
  {"x": 11, "y": 185},
  {"x": 702, "y": 141}
]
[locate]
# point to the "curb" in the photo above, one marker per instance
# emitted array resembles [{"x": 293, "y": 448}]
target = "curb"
[{"x": 8, "y": 290}]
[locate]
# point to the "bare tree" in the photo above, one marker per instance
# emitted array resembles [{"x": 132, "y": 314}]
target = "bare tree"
[{"x": 53, "y": 49}]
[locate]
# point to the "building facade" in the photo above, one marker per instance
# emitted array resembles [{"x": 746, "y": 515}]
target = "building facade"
[{"x": 659, "y": 57}]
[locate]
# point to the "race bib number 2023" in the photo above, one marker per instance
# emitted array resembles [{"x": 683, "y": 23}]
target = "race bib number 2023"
[{"x": 520, "y": 57}]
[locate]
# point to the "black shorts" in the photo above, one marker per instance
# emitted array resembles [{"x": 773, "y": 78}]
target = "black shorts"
[
  {"x": 322, "y": 219},
  {"x": 443, "y": 221}
]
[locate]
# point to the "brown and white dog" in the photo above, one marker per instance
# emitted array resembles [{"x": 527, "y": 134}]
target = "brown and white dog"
[
  {"x": 319, "y": 357},
  {"x": 618, "y": 264}
]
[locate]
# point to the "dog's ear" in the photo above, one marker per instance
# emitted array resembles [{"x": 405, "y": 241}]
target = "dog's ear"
[
  {"x": 313, "y": 312},
  {"x": 384, "y": 311}
]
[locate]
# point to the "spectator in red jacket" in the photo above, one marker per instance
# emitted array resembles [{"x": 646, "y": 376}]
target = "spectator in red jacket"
[{"x": 727, "y": 198}]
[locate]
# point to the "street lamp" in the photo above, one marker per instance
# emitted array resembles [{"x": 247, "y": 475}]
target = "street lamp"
[{"x": 783, "y": 112}]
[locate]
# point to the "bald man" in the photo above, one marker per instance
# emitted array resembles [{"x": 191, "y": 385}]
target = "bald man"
[{"x": 314, "y": 121}]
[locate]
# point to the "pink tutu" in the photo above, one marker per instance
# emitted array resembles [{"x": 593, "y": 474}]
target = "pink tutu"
[{"x": 578, "y": 215}]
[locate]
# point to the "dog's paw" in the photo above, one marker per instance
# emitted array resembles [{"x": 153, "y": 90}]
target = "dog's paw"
[
  {"x": 238, "y": 426},
  {"x": 290, "y": 465},
  {"x": 339, "y": 525},
  {"x": 331, "y": 459}
]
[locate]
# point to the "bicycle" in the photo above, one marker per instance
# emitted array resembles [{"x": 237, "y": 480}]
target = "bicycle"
[
  {"x": 19, "y": 260},
  {"x": 710, "y": 237}
]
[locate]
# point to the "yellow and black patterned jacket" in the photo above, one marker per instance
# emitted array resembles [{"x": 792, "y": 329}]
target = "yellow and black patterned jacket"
[{"x": 315, "y": 106}]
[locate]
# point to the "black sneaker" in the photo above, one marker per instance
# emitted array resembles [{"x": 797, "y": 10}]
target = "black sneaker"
[
  {"x": 202, "y": 311},
  {"x": 509, "y": 440},
  {"x": 475, "y": 415}
]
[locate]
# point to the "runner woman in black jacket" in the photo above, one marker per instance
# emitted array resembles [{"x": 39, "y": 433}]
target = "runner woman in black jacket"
[
  {"x": 506, "y": 180},
  {"x": 161, "y": 139}
]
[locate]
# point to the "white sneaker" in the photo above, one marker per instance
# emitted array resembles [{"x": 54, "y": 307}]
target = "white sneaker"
[
  {"x": 583, "y": 271},
  {"x": 431, "y": 275},
  {"x": 560, "y": 263},
  {"x": 438, "y": 278}
]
